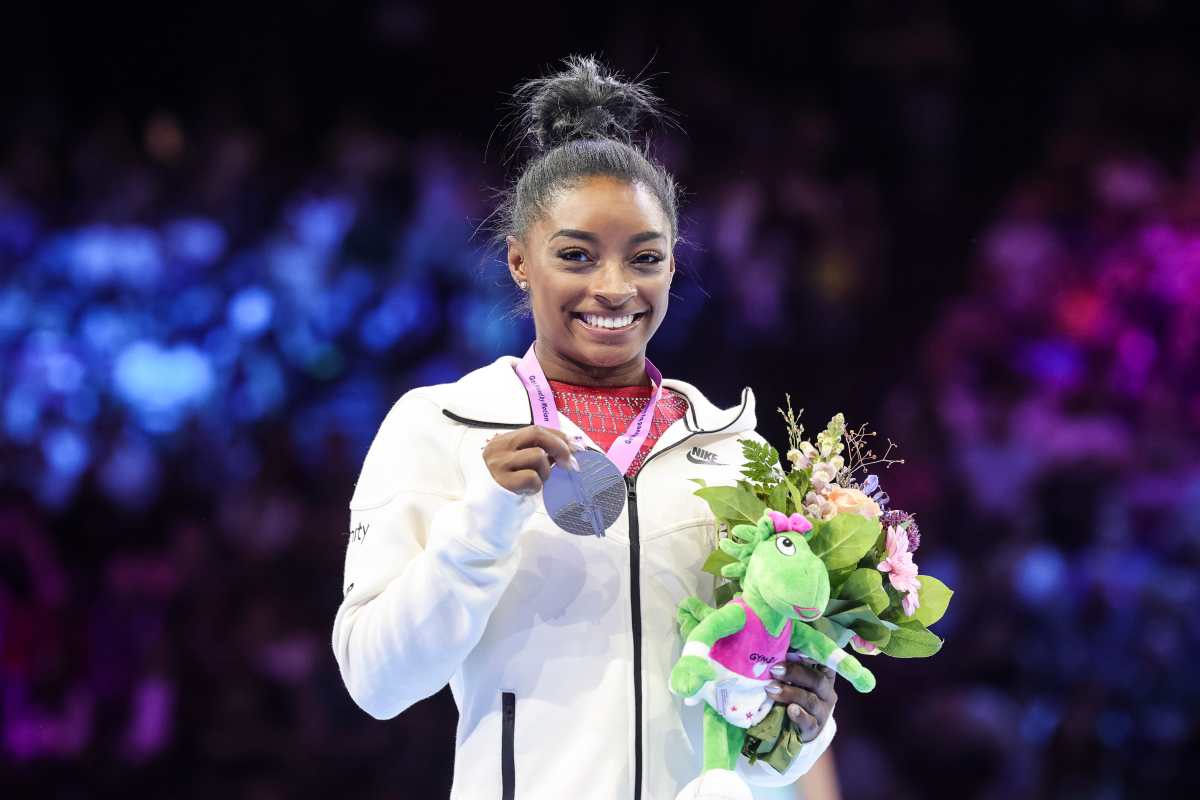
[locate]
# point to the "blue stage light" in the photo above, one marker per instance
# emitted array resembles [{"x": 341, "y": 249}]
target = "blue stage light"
[
  {"x": 251, "y": 310},
  {"x": 162, "y": 384}
]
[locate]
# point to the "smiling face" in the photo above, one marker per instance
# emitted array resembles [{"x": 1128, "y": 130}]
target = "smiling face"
[{"x": 599, "y": 264}]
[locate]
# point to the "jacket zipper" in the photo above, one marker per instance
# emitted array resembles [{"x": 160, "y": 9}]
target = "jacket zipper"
[
  {"x": 635, "y": 603},
  {"x": 508, "y": 765}
]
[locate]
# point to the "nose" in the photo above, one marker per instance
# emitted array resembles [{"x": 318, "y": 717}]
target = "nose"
[{"x": 612, "y": 286}]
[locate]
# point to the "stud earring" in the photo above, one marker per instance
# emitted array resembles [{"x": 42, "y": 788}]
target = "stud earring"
[{"x": 524, "y": 285}]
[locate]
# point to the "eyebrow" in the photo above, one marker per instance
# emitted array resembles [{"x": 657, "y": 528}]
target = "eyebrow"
[{"x": 572, "y": 233}]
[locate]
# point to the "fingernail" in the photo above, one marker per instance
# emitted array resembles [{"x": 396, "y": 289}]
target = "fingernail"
[
  {"x": 773, "y": 688},
  {"x": 794, "y": 712},
  {"x": 573, "y": 463},
  {"x": 576, "y": 445},
  {"x": 778, "y": 669}
]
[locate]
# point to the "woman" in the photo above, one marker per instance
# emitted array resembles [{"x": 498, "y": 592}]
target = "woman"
[{"x": 557, "y": 647}]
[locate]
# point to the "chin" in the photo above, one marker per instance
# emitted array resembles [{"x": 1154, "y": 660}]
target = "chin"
[{"x": 600, "y": 355}]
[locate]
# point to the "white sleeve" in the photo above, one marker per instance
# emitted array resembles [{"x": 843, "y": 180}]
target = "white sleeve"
[
  {"x": 428, "y": 557},
  {"x": 760, "y": 773}
]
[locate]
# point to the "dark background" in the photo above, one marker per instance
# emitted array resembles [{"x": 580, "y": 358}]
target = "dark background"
[{"x": 232, "y": 235}]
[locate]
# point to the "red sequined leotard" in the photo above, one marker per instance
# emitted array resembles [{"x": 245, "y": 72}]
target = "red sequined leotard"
[{"x": 605, "y": 412}]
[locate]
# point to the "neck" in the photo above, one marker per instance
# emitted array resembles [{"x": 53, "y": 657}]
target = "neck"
[
  {"x": 562, "y": 368},
  {"x": 771, "y": 619}
]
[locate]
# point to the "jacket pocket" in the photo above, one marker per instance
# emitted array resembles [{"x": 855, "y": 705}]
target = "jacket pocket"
[{"x": 508, "y": 767}]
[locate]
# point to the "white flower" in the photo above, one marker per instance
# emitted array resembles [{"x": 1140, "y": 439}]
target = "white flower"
[
  {"x": 798, "y": 459},
  {"x": 819, "y": 506},
  {"x": 823, "y": 474}
]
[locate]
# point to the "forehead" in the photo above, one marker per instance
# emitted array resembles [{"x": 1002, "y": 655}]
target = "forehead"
[{"x": 601, "y": 204}]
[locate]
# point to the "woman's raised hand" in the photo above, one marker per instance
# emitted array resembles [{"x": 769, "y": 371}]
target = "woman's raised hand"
[{"x": 520, "y": 461}]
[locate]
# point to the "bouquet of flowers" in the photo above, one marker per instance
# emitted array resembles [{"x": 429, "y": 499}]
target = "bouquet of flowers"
[{"x": 878, "y": 603}]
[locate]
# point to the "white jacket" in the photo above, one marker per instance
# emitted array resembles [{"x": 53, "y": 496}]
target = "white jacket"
[{"x": 557, "y": 648}]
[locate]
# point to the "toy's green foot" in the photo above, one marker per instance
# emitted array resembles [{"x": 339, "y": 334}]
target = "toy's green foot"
[
  {"x": 859, "y": 676},
  {"x": 716, "y": 784}
]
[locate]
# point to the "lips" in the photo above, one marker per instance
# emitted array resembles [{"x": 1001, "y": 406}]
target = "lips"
[
  {"x": 602, "y": 331},
  {"x": 807, "y": 613}
]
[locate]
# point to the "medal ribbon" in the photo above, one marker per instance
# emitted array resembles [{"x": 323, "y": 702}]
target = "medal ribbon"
[{"x": 545, "y": 413}]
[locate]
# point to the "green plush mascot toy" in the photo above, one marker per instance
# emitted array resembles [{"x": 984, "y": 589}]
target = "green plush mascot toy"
[{"x": 727, "y": 655}]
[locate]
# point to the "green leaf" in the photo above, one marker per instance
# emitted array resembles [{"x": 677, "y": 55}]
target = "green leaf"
[
  {"x": 778, "y": 497},
  {"x": 865, "y": 586},
  {"x": 869, "y": 627},
  {"x": 848, "y": 616},
  {"x": 836, "y": 606},
  {"x": 735, "y": 506},
  {"x": 724, "y": 593},
  {"x": 837, "y": 577},
  {"x": 912, "y": 640},
  {"x": 760, "y": 461},
  {"x": 843, "y": 540},
  {"x": 839, "y": 633},
  {"x": 934, "y": 597},
  {"x": 700, "y": 481},
  {"x": 717, "y": 559},
  {"x": 797, "y": 486},
  {"x": 863, "y": 621}
]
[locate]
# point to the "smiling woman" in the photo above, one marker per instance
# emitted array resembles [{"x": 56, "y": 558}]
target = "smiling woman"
[
  {"x": 558, "y": 647},
  {"x": 598, "y": 284},
  {"x": 591, "y": 225}
]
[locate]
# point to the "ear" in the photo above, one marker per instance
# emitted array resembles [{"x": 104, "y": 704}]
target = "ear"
[{"x": 516, "y": 259}]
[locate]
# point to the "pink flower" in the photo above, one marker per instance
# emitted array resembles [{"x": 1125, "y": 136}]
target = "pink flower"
[
  {"x": 796, "y": 522},
  {"x": 901, "y": 569},
  {"x": 863, "y": 646}
]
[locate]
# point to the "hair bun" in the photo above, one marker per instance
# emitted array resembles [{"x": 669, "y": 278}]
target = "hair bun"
[{"x": 584, "y": 100}]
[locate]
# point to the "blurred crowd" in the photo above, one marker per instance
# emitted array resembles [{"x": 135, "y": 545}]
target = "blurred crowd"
[{"x": 200, "y": 336}]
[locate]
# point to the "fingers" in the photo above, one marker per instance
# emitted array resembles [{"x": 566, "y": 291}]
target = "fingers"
[
  {"x": 531, "y": 458},
  {"x": 557, "y": 446},
  {"x": 808, "y": 725},
  {"x": 794, "y": 695},
  {"x": 809, "y": 674}
]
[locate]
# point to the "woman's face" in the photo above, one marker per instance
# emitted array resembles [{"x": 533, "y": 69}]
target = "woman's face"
[{"x": 600, "y": 254}]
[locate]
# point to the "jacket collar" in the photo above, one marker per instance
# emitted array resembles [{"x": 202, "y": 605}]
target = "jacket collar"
[{"x": 493, "y": 395}]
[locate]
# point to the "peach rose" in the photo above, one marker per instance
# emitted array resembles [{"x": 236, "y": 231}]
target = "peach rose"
[{"x": 852, "y": 501}]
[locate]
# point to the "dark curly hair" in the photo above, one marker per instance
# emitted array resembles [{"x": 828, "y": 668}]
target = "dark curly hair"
[{"x": 582, "y": 121}]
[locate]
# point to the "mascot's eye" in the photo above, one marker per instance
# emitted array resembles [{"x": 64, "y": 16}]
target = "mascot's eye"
[{"x": 786, "y": 546}]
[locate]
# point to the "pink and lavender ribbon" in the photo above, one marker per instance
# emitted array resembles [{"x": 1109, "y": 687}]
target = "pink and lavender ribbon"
[{"x": 545, "y": 413}]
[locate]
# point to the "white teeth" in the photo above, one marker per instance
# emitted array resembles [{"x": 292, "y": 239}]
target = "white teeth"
[{"x": 608, "y": 322}]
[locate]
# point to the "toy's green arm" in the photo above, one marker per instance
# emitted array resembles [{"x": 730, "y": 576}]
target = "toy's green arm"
[
  {"x": 726, "y": 620},
  {"x": 694, "y": 668},
  {"x": 820, "y": 648},
  {"x": 691, "y": 611}
]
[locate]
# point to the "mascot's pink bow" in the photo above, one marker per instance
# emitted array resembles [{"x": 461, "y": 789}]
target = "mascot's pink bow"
[{"x": 796, "y": 522}]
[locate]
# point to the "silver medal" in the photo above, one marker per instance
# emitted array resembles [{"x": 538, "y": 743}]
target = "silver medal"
[{"x": 587, "y": 502}]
